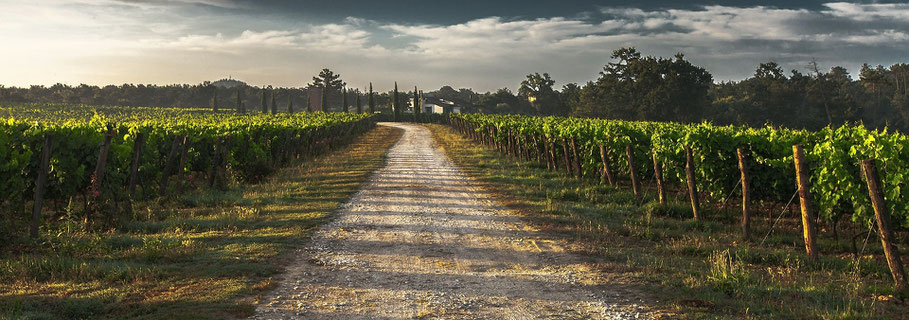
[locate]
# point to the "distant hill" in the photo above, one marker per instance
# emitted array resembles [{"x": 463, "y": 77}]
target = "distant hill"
[{"x": 228, "y": 83}]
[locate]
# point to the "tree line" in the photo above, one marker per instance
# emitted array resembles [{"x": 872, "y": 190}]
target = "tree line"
[
  {"x": 332, "y": 94},
  {"x": 629, "y": 87},
  {"x": 635, "y": 87}
]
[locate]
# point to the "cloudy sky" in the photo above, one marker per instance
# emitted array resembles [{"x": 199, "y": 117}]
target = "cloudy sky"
[{"x": 466, "y": 43}]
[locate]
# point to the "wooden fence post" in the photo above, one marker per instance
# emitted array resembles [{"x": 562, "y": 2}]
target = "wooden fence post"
[
  {"x": 40, "y": 184},
  {"x": 607, "y": 170},
  {"x": 692, "y": 185},
  {"x": 632, "y": 172},
  {"x": 658, "y": 174},
  {"x": 801, "y": 171},
  {"x": 169, "y": 165},
  {"x": 883, "y": 223},
  {"x": 746, "y": 194}
]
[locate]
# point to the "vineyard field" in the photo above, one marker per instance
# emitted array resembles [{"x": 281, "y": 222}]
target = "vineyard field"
[
  {"x": 834, "y": 156},
  {"x": 143, "y": 152}
]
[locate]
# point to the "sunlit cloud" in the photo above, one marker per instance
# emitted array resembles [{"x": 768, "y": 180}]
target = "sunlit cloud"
[{"x": 176, "y": 41}]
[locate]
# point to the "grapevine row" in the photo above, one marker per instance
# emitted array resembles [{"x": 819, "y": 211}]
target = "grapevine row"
[
  {"x": 109, "y": 160},
  {"x": 848, "y": 171}
]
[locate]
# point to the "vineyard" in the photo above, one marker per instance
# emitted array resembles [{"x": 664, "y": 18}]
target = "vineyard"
[
  {"x": 210, "y": 209},
  {"x": 106, "y": 158},
  {"x": 826, "y": 169}
]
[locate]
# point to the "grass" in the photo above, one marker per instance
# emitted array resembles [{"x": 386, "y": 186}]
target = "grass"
[
  {"x": 205, "y": 254},
  {"x": 697, "y": 270}
]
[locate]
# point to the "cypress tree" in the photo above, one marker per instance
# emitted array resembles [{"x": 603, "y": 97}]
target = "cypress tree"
[
  {"x": 308, "y": 106},
  {"x": 344, "y": 100},
  {"x": 214, "y": 100},
  {"x": 416, "y": 104},
  {"x": 396, "y": 105},
  {"x": 264, "y": 102},
  {"x": 274, "y": 106},
  {"x": 359, "y": 105},
  {"x": 290, "y": 102},
  {"x": 371, "y": 100}
]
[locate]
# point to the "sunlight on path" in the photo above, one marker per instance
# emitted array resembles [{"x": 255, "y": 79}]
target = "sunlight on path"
[{"x": 420, "y": 241}]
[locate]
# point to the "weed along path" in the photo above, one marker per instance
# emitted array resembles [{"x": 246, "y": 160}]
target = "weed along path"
[{"x": 421, "y": 241}]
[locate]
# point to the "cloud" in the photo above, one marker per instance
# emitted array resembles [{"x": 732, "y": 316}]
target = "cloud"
[
  {"x": 869, "y": 12},
  {"x": 330, "y": 38},
  {"x": 112, "y": 41},
  {"x": 228, "y": 4},
  {"x": 495, "y": 38}
]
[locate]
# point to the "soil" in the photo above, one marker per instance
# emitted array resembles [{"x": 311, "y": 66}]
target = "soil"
[{"x": 421, "y": 241}]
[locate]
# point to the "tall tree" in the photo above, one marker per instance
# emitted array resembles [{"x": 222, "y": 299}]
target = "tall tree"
[
  {"x": 359, "y": 105},
  {"x": 570, "y": 96},
  {"x": 344, "y": 105},
  {"x": 274, "y": 105},
  {"x": 647, "y": 88},
  {"x": 416, "y": 104},
  {"x": 873, "y": 79},
  {"x": 264, "y": 101},
  {"x": 537, "y": 89},
  {"x": 328, "y": 81},
  {"x": 371, "y": 100},
  {"x": 290, "y": 102},
  {"x": 396, "y": 104}
]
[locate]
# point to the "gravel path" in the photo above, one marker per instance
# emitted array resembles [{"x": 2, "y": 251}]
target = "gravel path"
[{"x": 420, "y": 241}]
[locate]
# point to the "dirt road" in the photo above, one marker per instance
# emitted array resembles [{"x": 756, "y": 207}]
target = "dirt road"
[{"x": 421, "y": 241}]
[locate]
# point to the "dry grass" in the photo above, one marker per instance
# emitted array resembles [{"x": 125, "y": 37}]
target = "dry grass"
[{"x": 205, "y": 254}]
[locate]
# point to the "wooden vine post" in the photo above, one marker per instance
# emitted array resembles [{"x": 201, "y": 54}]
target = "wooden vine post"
[
  {"x": 801, "y": 175},
  {"x": 169, "y": 165},
  {"x": 746, "y": 194},
  {"x": 552, "y": 155},
  {"x": 98, "y": 174},
  {"x": 632, "y": 172},
  {"x": 566, "y": 156},
  {"x": 536, "y": 149},
  {"x": 134, "y": 165},
  {"x": 658, "y": 175},
  {"x": 692, "y": 184},
  {"x": 883, "y": 223},
  {"x": 528, "y": 153},
  {"x": 40, "y": 184},
  {"x": 134, "y": 171},
  {"x": 607, "y": 170},
  {"x": 577, "y": 159},
  {"x": 182, "y": 166}
]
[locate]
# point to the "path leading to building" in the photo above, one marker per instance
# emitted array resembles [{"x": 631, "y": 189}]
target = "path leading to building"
[{"x": 421, "y": 241}]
